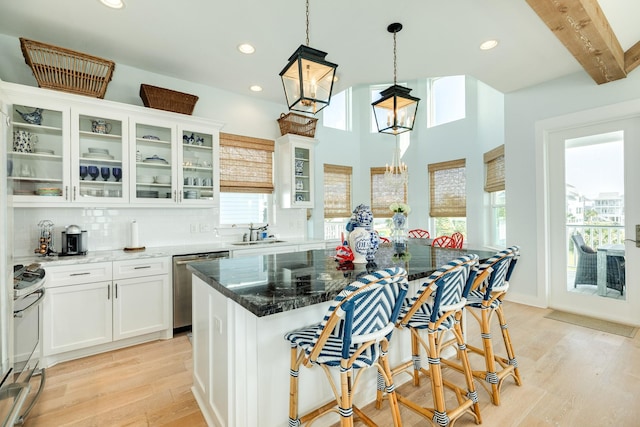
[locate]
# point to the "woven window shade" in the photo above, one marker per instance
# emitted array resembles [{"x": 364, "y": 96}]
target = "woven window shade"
[
  {"x": 337, "y": 191},
  {"x": 383, "y": 194},
  {"x": 447, "y": 189},
  {"x": 246, "y": 164},
  {"x": 494, "y": 170}
]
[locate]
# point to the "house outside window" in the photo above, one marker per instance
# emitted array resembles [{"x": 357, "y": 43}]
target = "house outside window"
[
  {"x": 246, "y": 179},
  {"x": 447, "y": 197},
  {"x": 337, "y": 199}
]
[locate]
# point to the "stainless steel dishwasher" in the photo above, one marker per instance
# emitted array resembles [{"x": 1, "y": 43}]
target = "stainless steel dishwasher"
[{"x": 182, "y": 286}]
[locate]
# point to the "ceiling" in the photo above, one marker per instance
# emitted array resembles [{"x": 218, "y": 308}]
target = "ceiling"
[{"x": 196, "y": 40}]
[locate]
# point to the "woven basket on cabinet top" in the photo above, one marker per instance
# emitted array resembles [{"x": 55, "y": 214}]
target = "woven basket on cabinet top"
[
  {"x": 297, "y": 124},
  {"x": 67, "y": 70},
  {"x": 167, "y": 99}
]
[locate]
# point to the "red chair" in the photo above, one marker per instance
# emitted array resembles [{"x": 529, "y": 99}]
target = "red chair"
[
  {"x": 418, "y": 233},
  {"x": 442, "y": 242},
  {"x": 384, "y": 240},
  {"x": 457, "y": 238}
]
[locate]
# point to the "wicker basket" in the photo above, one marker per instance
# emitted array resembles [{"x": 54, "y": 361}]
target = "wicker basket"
[
  {"x": 67, "y": 70},
  {"x": 167, "y": 99},
  {"x": 297, "y": 124}
]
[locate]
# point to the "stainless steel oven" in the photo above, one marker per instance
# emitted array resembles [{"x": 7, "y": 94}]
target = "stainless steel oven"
[{"x": 27, "y": 377}]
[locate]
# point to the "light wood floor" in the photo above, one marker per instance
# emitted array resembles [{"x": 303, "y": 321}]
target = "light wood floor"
[{"x": 572, "y": 376}]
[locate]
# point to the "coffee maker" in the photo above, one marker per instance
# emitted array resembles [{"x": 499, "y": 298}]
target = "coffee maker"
[{"x": 74, "y": 241}]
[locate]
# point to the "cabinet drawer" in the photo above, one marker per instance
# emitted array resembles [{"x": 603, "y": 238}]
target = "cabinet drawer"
[
  {"x": 65, "y": 275},
  {"x": 140, "y": 267}
]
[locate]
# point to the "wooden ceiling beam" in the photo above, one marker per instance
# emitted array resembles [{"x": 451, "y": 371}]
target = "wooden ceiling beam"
[
  {"x": 632, "y": 58},
  {"x": 584, "y": 30}
]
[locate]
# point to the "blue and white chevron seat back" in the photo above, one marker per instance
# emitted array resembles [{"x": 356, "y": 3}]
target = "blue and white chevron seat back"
[
  {"x": 502, "y": 264},
  {"x": 447, "y": 286},
  {"x": 365, "y": 310}
]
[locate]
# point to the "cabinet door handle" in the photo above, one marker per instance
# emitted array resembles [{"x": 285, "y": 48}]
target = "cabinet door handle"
[
  {"x": 108, "y": 292},
  {"x": 175, "y": 195},
  {"x": 74, "y": 193},
  {"x": 116, "y": 290},
  {"x": 180, "y": 196},
  {"x": 141, "y": 267},
  {"x": 66, "y": 192},
  {"x": 80, "y": 274}
]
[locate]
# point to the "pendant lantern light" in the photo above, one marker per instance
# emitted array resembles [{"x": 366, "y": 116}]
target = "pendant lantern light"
[
  {"x": 395, "y": 111},
  {"x": 308, "y": 78}
]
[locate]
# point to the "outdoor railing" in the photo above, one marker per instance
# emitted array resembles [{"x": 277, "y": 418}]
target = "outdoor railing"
[{"x": 594, "y": 236}]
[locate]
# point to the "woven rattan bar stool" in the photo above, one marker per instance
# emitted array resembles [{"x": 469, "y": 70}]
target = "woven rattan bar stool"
[
  {"x": 354, "y": 334},
  {"x": 433, "y": 317},
  {"x": 482, "y": 304}
]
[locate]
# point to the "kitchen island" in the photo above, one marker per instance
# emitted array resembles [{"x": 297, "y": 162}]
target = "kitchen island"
[{"x": 242, "y": 307}]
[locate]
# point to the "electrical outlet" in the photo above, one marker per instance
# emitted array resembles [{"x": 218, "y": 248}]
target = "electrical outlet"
[
  {"x": 194, "y": 229},
  {"x": 637, "y": 235}
]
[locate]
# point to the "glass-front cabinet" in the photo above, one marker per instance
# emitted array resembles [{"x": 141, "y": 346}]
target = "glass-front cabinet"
[
  {"x": 294, "y": 155},
  {"x": 153, "y": 161},
  {"x": 198, "y": 162},
  {"x": 99, "y": 156},
  {"x": 38, "y": 158}
]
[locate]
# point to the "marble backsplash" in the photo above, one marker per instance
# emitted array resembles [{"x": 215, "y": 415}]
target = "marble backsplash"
[{"x": 110, "y": 228}]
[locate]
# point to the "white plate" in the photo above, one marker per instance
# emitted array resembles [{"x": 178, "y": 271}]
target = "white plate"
[
  {"x": 43, "y": 151},
  {"x": 156, "y": 161},
  {"x": 98, "y": 156},
  {"x": 98, "y": 150}
]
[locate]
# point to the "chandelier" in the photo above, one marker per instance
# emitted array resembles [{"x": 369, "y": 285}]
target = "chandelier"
[
  {"x": 308, "y": 78},
  {"x": 396, "y": 174},
  {"x": 395, "y": 111}
]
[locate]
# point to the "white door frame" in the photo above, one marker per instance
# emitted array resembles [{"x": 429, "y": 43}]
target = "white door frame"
[{"x": 625, "y": 311}]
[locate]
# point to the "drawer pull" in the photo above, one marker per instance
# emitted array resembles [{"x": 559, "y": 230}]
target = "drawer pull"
[
  {"x": 80, "y": 274},
  {"x": 141, "y": 267}
]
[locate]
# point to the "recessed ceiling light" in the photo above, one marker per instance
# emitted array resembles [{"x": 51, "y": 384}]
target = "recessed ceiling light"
[
  {"x": 489, "y": 44},
  {"x": 114, "y": 4},
  {"x": 256, "y": 88},
  {"x": 246, "y": 48}
]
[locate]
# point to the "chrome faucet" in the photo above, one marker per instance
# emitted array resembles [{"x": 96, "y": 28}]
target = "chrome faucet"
[{"x": 253, "y": 233}]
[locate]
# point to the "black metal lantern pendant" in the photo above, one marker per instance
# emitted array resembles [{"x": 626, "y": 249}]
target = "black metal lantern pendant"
[
  {"x": 395, "y": 111},
  {"x": 308, "y": 78}
]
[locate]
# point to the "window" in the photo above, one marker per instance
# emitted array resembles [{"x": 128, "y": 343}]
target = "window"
[
  {"x": 337, "y": 114},
  {"x": 384, "y": 193},
  {"x": 447, "y": 196},
  {"x": 337, "y": 199},
  {"x": 494, "y": 185},
  {"x": 446, "y": 100},
  {"x": 246, "y": 179}
]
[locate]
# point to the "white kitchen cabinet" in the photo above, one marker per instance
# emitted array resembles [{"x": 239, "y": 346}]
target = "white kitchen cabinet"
[
  {"x": 295, "y": 171},
  {"x": 96, "y": 307},
  {"x": 152, "y": 157}
]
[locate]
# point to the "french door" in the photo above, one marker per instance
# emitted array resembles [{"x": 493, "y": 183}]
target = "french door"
[{"x": 592, "y": 182}]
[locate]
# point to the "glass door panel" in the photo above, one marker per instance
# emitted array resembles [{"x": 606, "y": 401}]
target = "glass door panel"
[
  {"x": 155, "y": 178},
  {"x": 102, "y": 155},
  {"x": 302, "y": 174},
  {"x": 36, "y": 165},
  {"x": 196, "y": 172}
]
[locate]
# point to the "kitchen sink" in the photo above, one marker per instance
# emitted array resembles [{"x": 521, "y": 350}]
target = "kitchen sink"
[{"x": 258, "y": 242}]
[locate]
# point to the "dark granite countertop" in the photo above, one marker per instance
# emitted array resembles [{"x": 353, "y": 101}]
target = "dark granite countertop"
[{"x": 270, "y": 284}]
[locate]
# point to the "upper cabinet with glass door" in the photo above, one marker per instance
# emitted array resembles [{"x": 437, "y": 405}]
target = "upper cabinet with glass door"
[
  {"x": 154, "y": 160},
  {"x": 38, "y": 157},
  {"x": 295, "y": 177},
  {"x": 99, "y": 170},
  {"x": 199, "y": 172}
]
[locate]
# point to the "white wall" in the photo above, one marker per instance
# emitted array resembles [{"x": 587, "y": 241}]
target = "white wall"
[{"x": 523, "y": 109}]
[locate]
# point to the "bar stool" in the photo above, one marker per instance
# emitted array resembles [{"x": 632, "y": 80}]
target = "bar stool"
[
  {"x": 419, "y": 233},
  {"x": 482, "y": 304},
  {"x": 436, "y": 310},
  {"x": 457, "y": 239},
  {"x": 354, "y": 333},
  {"x": 442, "y": 242}
]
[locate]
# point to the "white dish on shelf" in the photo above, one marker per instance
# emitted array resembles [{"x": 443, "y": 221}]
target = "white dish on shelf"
[
  {"x": 163, "y": 179},
  {"x": 145, "y": 179},
  {"x": 100, "y": 156},
  {"x": 95, "y": 150},
  {"x": 43, "y": 151},
  {"x": 153, "y": 137},
  {"x": 155, "y": 159}
]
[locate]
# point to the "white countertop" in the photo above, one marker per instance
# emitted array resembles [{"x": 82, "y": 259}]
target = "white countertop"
[{"x": 151, "y": 252}]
